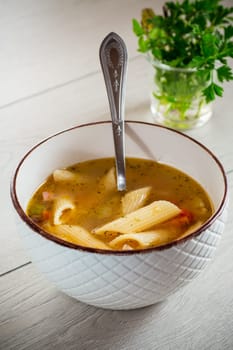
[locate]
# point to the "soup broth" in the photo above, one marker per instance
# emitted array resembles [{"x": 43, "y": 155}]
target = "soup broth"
[{"x": 81, "y": 204}]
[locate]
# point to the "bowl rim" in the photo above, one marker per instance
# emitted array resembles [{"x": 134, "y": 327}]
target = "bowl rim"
[{"x": 49, "y": 236}]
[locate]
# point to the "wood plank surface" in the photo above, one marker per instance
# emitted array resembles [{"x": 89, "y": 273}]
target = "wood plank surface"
[
  {"x": 50, "y": 43},
  {"x": 65, "y": 107},
  {"x": 34, "y": 315},
  {"x": 51, "y": 80}
]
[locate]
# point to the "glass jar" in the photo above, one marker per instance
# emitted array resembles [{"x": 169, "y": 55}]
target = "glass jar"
[{"x": 176, "y": 98}]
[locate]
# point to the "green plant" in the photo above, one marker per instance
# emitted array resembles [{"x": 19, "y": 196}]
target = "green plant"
[{"x": 191, "y": 34}]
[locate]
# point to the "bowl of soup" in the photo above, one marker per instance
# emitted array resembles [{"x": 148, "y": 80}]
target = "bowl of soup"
[{"x": 120, "y": 249}]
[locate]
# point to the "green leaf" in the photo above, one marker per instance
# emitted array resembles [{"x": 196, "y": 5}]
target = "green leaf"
[
  {"x": 206, "y": 5},
  {"x": 156, "y": 33},
  {"x": 209, "y": 93},
  {"x": 137, "y": 29},
  {"x": 143, "y": 44},
  {"x": 190, "y": 34},
  {"x": 208, "y": 46},
  {"x": 228, "y": 32},
  {"x": 157, "y": 53},
  {"x": 197, "y": 62},
  {"x": 223, "y": 60},
  {"x": 200, "y": 20},
  {"x": 204, "y": 74},
  {"x": 224, "y": 73},
  {"x": 218, "y": 90}
]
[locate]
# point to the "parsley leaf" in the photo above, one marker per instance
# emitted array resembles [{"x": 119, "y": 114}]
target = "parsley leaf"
[
  {"x": 137, "y": 28},
  {"x": 224, "y": 73},
  {"x": 190, "y": 34}
]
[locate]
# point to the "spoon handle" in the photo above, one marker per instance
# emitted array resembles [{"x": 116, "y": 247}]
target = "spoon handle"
[{"x": 113, "y": 59}]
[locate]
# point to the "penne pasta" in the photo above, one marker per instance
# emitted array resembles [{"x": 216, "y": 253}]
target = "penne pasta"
[
  {"x": 140, "y": 240},
  {"x": 142, "y": 219},
  {"x": 62, "y": 175},
  {"x": 61, "y": 205},
  {"x": 156, "y": 237},
  {"x": 78, "y": 235},
  {"x": 134, "y": 200},
  {"x": 108, "y": 181},
  {"x": 126, "y": 247},
  {"x": 81, "y": 204},
  {"x": 66, "y": 176}
]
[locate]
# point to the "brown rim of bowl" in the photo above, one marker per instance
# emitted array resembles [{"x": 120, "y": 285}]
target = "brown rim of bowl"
[{"x": 50, "y": 237}]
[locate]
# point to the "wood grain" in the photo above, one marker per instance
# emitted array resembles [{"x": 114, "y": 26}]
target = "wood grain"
[
  {"x": 34, "y": 315},
  {"x": 82, "y": 102},
  {"x": 49, "y": 43},
  {"x": 51, "y": 80}
]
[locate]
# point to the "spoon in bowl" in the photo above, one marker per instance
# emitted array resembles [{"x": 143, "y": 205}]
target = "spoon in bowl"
[{"x": 113, "y": 59}]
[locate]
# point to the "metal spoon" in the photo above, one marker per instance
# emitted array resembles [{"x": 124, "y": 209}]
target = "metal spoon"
[{"x": 113, "y": 59}]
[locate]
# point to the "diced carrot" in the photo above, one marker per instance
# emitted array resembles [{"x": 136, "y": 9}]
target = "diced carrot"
[
  {"x": 46, "y": 214},
  {"x": 183, "y": 219},
  {"x": 187, "y": 214}
]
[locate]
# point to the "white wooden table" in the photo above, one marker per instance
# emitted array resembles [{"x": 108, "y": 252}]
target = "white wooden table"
[{"x": 50, "y": 80}]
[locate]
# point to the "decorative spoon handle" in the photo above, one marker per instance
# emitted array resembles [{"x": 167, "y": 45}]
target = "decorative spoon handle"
[{"x": 113, "y": 59}]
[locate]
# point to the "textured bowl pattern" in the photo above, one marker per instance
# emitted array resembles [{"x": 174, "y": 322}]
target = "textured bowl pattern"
[
  {"x": 125, "y": 281},
  {"x": 131, "y": 279}
]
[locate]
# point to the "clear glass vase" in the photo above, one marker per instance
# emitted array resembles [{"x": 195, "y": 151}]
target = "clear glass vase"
[{"x": 176, "y": 98}]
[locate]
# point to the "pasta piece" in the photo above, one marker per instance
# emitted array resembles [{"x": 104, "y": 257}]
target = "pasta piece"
[
  {"x": 61, "y": 205},
  {"x": 141, "y": 219},
  {"x": 78, "y": 235},
  {"x": 140, "y": 240},
  {"x": 135, "y": 199},
  {"x": 62, "y": 175},
  {"x": 127, "y": 247},
  {"x": 108, "y": 181},
  {"x": 156, "y": 237}
]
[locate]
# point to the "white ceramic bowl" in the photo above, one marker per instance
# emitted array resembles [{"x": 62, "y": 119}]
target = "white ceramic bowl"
[{"x": 125, "y": 280}]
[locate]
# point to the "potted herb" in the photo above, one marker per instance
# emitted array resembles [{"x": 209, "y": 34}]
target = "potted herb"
[{"x": 188, "y": 47}]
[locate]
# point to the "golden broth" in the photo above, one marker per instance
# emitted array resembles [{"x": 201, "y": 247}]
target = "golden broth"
[{"x": 95, "y": 201}]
